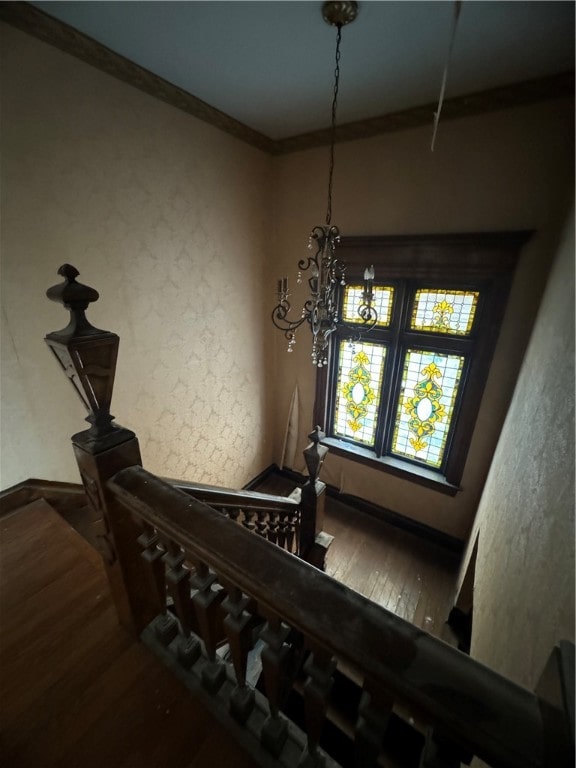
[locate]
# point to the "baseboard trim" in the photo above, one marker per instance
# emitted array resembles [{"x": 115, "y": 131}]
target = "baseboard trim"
[
  {"x": 61, "y": 495},
  {"x": 260, "y": 478},
  {"x": 65, "y": 495},
  {"x": 444, "y": 540}
]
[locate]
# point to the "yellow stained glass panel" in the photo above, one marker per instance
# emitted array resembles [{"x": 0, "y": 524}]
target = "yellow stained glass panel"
[
  {"x": 382, "y": 302},
  {"x": 360, "y": 366},
  {"x": 430, "y": 382},
  {"x": 443, "y": 311}
]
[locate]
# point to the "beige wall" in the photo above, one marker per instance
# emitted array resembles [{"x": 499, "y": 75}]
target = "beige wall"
[
  {"x": 166, "y": 217},
  {"x": 172, "y": 221},
  {"x": 524, "y": 587},
  {"x": 501, "y": 171}
]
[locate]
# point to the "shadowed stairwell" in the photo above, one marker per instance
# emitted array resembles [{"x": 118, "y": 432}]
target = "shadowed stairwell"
[
  {"x": 234, "y": 647},
  {"x": 76, "y": 689}
]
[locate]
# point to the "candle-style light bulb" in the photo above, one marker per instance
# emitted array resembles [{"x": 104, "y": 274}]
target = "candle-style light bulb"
[
  {"x": 368, "y": 279},
  {"x": 369, "y": 273}
]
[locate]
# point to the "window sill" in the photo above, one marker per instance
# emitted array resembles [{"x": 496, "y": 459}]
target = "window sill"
[{"x": 397, "y": 467}]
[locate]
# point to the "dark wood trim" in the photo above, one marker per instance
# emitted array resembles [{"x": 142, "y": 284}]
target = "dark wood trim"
[
  {"x": 481, "y": 712},
  {"x": 479, "y": 260},
  {"x": 64, "y": 495},
  {"x": 399, "y": 521},
  {"x": 494, "y": 99},
  {"x": 218, "y": 497},
  {"x": 422, "y": 530},
  {"x": 260, "y": 478},
  {"x": 35, "y": 22},
  {"x": 470, "y": 255},
  {"x": 59, "y": 495},
  {"x": 393, "y": 466}
]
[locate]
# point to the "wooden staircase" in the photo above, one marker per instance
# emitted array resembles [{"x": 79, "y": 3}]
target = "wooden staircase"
[
  {"x": 185, "y": 578},
  {"x": 76, "y": 689}
]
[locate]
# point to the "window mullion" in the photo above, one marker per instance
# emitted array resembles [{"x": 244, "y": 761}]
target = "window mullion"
[{"x": 393, "y": 367}]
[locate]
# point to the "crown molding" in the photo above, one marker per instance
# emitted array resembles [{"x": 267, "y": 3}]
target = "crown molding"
[
  {"x": 35, "y": 22},
  {"x": 492, "y": 100}
]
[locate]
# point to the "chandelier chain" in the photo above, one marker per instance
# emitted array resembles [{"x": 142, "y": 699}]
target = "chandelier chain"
[
  {"x": 333, "y": 124},
  {"x": 327, "y": 273}
]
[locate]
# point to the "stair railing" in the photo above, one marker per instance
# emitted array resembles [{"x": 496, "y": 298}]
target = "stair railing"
[
  {"x": 214, "y": 580},
  {"x": 276, "y": 518},
  {"x": 217, "y": 603}
]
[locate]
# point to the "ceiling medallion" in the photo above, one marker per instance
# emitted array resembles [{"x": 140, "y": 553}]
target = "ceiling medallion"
[{"x": 339, "y": 13}]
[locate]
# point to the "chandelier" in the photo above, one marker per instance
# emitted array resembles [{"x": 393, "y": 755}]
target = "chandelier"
[{"x": 326, "y": 272}]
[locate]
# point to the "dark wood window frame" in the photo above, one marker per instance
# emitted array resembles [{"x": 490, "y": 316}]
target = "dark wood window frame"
[{"x": 477, "y": 261}]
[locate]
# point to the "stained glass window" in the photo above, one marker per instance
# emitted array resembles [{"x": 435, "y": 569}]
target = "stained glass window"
[
  {"x": 360, "y": 368},
  {"x": 383, "y": 296},
  {"x": 429, "y": 387},
  {"x": 408, "y": 404},
  {"x": 444, "y": 311}
]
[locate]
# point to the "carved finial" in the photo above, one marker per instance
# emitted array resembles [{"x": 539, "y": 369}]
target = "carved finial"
[
  {"x": 68, "y": 271},
  {"x": 76, "y": 297},
  {"x": 317, "y": 435},
  {"x": 70, "y": 293},
  {"x": 88, "y": 357},
  {"x": 314, "y": 453}
]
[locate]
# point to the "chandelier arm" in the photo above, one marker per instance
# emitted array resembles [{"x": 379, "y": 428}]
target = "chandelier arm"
[
  {"x": 306, "y": 263},
  {"x": 285, "y": 325},
  {"x": 366, "y": 325},
  {"x": 280, "y": 315},
  {"x": 368, "y": 314}
]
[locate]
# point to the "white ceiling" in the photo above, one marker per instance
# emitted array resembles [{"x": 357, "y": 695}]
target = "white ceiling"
[{"x": 270, "y": 64}]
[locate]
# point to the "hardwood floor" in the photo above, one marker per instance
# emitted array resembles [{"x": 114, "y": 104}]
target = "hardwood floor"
[
  {"x": 400, "y": 571},
  {"x": 404, "y": 573},
  {"x": 75, "y": 690}
]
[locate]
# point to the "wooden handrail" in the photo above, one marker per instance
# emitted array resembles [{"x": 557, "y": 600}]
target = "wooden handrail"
[
  {"x": 229, "y": 497},
  {"x": 165, "y": 550},
  {"x": 473, "y": 706}
]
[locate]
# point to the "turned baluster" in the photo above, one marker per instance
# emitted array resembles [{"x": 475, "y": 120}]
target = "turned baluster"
[
  {"x": 248, "y": 522},
  {"x": 234, "y": 514},
  {"x": 291, "y": 531},
  {"x": 273, "y": 527},
  {"x": 262, "y": 523},
  {"x": 238, "y": 632},
  {"x": 165, "y": 625},
  {"x": 275, "y": 667},
  {"x": 282, "y": 529},
  {"x": 178, "y": 583},
  {"x": 319, "y": 667},
  {"x": 373, "y": 715},
  {"x": 206, "y": 601}
]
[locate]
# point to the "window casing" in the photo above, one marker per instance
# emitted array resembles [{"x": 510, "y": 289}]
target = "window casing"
[{"x": 404, "y": 397}]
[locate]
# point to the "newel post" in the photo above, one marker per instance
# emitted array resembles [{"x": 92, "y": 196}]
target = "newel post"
[
  {"x": 88, "y": 357},
  {"x": 313, "y": 541}
]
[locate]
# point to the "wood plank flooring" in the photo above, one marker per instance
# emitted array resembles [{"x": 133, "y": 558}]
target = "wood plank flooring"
[
  {"x": 75, "y": 690},
  {"x": 400, "y": 571},
  {"x": 405, "y": 573}
]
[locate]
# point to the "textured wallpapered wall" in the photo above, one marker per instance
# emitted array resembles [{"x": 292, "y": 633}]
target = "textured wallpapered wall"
[
  {"x": 500, "y": 171},
  {"x": 526, "y": 516},
  {"x": 166, "y": 217}
]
